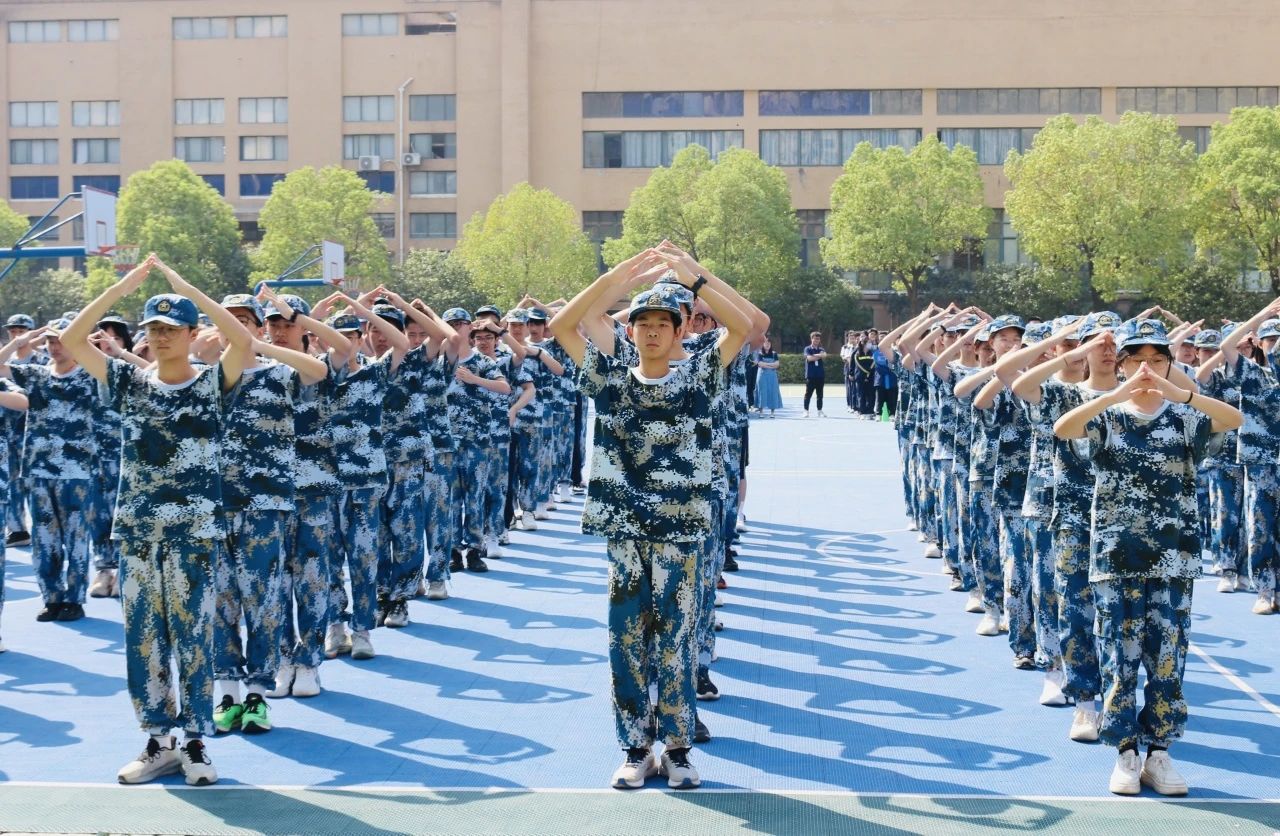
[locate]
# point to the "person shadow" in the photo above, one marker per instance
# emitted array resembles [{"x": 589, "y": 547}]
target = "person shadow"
[
  {"x": 489, "y": 648},
  {"x": 466, "y": 684}
]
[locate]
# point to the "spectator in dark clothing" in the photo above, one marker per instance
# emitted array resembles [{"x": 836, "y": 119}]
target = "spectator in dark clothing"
[
  {"x": 815, "y": 371},
  {"x": 886, "y": 384},
  {"x": 864, "y": 369}
]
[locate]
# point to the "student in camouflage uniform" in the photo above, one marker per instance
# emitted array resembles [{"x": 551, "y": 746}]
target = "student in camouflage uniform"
[
  {"x": 1226, "y": 475},
  {"x": 15, "y": 421},
  {"x": 10, "y": 398},
  {"x": 1145, "y": 440},
  {"x": 534, "y": 447},
  {"x": 112, "y": 338},
  {"x": 57, "y": 467},
  {"x": 652, "y": 420},
  {"x": 167, "y": 512},
  {"x": 443, "y": 487},
  {"x": 561, "y": 395}
]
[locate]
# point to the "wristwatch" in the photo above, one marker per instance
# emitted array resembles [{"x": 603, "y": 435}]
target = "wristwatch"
[{"x": 697, "y": 285}]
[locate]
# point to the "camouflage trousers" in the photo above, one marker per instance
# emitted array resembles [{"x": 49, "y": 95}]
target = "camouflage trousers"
[
  {"x": 60, "y": 537},
  {"x": 15, "y": 511},
  {"x": 482, "y": 476},
  {"x": 547, "y": 462},
  {"x": 1226, "y": 505},
  {"x": 402, "y": 542},
  {"x": 1044, "y": 598},
  {"x": 733, "y": 476},
  {"x": 984, "y": 544},
  {"x": 1261, "y": 507},
  {"x": 904, "y": 454},
  {"x": 166, "y": 590},
  {"x": 359, "y": 515},
  {"x": 653, "y": 607},
  {"x": 926, "y": 494},
  {"x": 439, "y": 500},
  {"x": 248, "y": 583},
  {"x": 710, "y": 565},
  {"x": 960, "y": 493},
  {"x": 1204, "y": 476},
  {"x": 102, "y": 511},
  {"x": 949, "y": 520},
  {"x": 1017, "y": 569},
  {"x": 562, "y": 433},
  {"x": 531, "y": 460},
  {"x": 1077, "y": 631},
  {"x": 309, "y": 545},
  {"x": 1143, "y": 622}
]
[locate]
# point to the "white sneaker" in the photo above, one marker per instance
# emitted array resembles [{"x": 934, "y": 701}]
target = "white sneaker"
[
  {"x": 680, "y": 773},
  {"x": 932, "y": 551},
  {"x": 920, "y": 536},
  {"x": 436, "y": 591},
  {"x": 528, "y": 522},
  {"x": 504, "y": 539},
  {"x": 421, "y": 590},
  {"x": 101, "y": 586},
  {"x": 361, "y": 647},
  {"x": 1161, "y": 775},
  {"x": 911, "y": 526},
  {"x": 1084, "y": 724},
  {"x": 398, "y": 615},
  {"x": 491, "y": 547},
  {"x": 742, "y": 523},
  {"x": 806, "y": 413},
  {"x": 1051, "y": 693},
  {"x": 990, "y": 623},
  {"x": 336, "y": 641},
  {"x": 1262, "y": 606},
  {"x": 284, "y": 681},
  {"x": 1126, "y": 776},
  {"x": 1241, "y": 583},
  {"x": 156, "y": 760},
  {"x": 540, "y": 512},
  {"x": 196, "y": 766},
  {"x": 820, "y": 414},
  {"x": 974, "y": 604},
  {"x": 1227, "y": 583},
  {"x": 307, "y": 682},
  {"x": 558, "y": 495},
  {"x": 635, "y": 770},
  {"x": 551, "y": 505}
]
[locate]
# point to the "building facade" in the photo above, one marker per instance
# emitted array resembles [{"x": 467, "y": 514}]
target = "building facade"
[{"x": 444, "y": 105}]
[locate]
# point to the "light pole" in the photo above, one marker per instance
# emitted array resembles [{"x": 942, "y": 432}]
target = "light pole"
[{"x": 402, "y": 225}]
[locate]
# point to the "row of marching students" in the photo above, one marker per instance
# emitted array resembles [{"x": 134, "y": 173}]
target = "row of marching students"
[
  {"x": 261, "y": 476},
  {"x": 1068, "y": 472}
]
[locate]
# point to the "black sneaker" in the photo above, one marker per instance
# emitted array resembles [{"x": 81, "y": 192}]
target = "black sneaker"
[
  {"x": 18, "y": 538},
  {"x": 730, "y": 564},
  {"x": 957, "y": 585},
  {"x": 71, "y": 612},
  {"x": 706, "y": 688},
  {"x": 701, "y": 734},
  {"x": 578, "y": 489},
  {"x": 455, "y": 561},
  {"x": 49, "y": 613},
  {"x": 475, "y": 563},
  {"x": 383, "y": 606}
]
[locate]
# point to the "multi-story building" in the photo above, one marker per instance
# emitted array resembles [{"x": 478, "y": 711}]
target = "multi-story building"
[{"x": 445, "y": 104}]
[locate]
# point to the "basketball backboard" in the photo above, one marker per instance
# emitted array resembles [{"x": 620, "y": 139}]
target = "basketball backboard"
[
  {"x": 99, "y": 220},
  {"x": 333, "y": 262}
]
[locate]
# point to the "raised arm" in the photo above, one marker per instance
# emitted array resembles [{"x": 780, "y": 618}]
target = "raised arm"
[
  {"x": 965, "y": 388},
  {"x": 76, "y": 338},
  {"x": 1010, "y": 366},
  {"x": 987, "y": 397},
  {"x": 399, "y": 342},
  {"x": 310, "y": 369},
  {"x": 564, "y": 325},
  {"x": 239, "y": 352},
  {"x": 738, "y": 324},
  {"x": 1230, "y": 346},
  {"x": 16, "y": 344}
]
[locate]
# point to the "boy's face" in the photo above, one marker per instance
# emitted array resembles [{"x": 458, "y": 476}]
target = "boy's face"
[
  {"x": 169, "y": 342},
  {"x": 985, "y": 354},
  {"x": 379, "y": 341},
  {"x": 57, "y": 353},
  {"x": 355, "y": 338},
  {"x": 518, "y": 331},
  {"x": 1187, "y": 353},
  {"x": 16, "y": 331},
  {"x": 284, "y": 333},
  {"x": 1006, "y": 340},
  {"x": 816, "y": 341},
  {"x": 1204, "y": 355},
  {"x": 654, "y": 334},
  {"x": 462, "y": 327},
  {"x": 416, "y": 333},
  {"x": 485, "y": 341},
  {"x": 537, "y": 331}
]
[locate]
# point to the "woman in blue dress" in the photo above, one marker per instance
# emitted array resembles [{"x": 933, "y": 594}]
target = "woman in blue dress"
[{"x": 768, "y": 395}]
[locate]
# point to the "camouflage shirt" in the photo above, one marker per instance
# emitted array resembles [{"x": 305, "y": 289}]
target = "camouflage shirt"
[
  {"x": 962, "y": 417},
  {"x": 1225, "y": 388},
  {"x": 1145, "y": 519},
  {"x": 315, "y": 466},
  {"x": 1072, "y": 493},
  {"x": 651, "y": 463},
  {"x": 472, "y": 407},
  {"x": 532, "y": 370},
  {"x": 435, "y": 382},
  {"x": 258, "y": 440},
  {"x": 357, "y": 423},
  {"x": 406, "y": 434},
  {"x": 60, "y": 441},
  {"x": 170, "y": 485},
  {"x": 944, "y": 394},
  {"x": 1258, "y": 440},
  {"x": 1007, "y": 419}
]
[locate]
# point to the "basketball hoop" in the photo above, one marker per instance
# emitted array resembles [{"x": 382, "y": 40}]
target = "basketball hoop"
[{"x": 124, "y": 257}]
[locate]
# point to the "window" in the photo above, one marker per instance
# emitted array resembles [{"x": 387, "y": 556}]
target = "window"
[
  {"x": 93, "y": 30},
  {"x": 435, "y": 107},
  {"x": 386, "y": 223},
  {"x": 433, "y": 183},
  {"x": 840, "y": 102},
  {"x": 379, "y": 181},
  {"x": 1001, "y": 246},
  {"x": 218, "y": 182},
  {"x": 33, "y": 188},
  {"x": 433, "y": 225},
  {"x": 828, "y": 147},
  {"x": 258, "y": 185},
  {"x": 650, "y": 105},
  {"x": 33, "y": 114},
  {"x": 34, "y": 31},
  {"x": 250, "y": 231},
  {"x": 200, "y": 149},
  {"x": 87, "y": 151},
  {"x": 991, "y": 145},
  {"x": 1200, "y": 136},
  {"x": 1020, "y": 100},
  {"x": 199, "y": 28},
  {"x": 813, "y": 228},
  {"x": 1194, "y": 99},
  {"x": 264, "y": 111},
  {"x": 262, "y": 26},
  {"x": 262, "y": 148},
  {"x": 95, "y": 114},
  {"x": 600, "y": 227},
  {"x": 51, "y": 221},
  {"x": 105, "y": 182},
  {"x": 355, "y": 146},
  {"x": 33, "y": 152},
  {"x": 370, "y": 25},
  {"x": 369, "y": 108},
  {"x": 648, "y": 149},
  {"x": 198, "y": 112},
  {"x": 435, "y": 146}
]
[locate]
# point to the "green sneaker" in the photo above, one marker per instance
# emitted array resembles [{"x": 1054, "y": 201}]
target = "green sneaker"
[
  {"x": 255, "y": 718},
  {"x": 226, "y": 717}
]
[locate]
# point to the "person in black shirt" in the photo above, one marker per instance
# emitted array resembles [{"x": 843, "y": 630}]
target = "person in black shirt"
[{"x": 815, "y": 373}]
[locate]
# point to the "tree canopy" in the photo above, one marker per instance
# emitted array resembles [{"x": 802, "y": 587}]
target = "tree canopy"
[{"x": 438, "y": 279}]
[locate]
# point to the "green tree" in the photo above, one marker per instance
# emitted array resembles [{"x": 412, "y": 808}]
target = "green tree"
[
  {"x": 12, "y": 227},
  {"x": 812, "y": 299},
  {"x": 527, "y": 241},
  {"x": 1205, "y": 290},
  {"x": 327, "y": 204},
  {"x": 1109, "y": 200},
  {"x": 733, "y": 215},
  {"x": 169, "y": 210},
  {"x": 1238, "y": 180},
  {"x": 896, "y": 212},
  {"x": 439, "y": 279},
  {"x": 44, "y": 296}
]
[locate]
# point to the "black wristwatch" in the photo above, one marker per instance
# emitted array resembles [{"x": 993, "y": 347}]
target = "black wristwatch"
[{"x": 702, "y": 280}]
